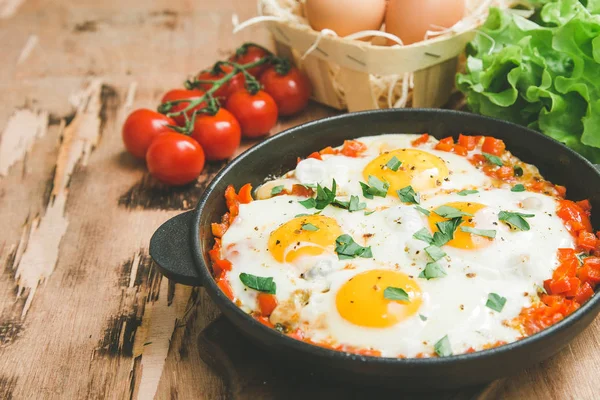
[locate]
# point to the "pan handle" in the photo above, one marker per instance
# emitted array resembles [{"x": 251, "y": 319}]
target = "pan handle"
[{"x": 171, "y": 249}]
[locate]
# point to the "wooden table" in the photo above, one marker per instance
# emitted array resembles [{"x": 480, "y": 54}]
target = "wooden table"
[{"x": 83, "y": 312}]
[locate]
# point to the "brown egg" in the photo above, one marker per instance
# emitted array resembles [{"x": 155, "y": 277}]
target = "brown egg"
[
  {"x": 410, "y": 19},
  {"x": 345, "y": 16}
]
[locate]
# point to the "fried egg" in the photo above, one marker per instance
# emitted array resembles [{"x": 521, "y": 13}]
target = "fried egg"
[{"x": 373, "y": 270}]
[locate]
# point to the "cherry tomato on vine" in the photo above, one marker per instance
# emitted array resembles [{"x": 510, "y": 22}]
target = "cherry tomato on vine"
[
  {"x": 175, "y": 159},
  {"x": 180, "y": 94},
  {"x": 219, "y": 134},
  {"x": 249, "y": 54},
  {"x": 256, "y": 113},
  {"x": 236, "y": 83},
  {"x": 141, "y": 127},
  {"x": 290, "y": 90}
]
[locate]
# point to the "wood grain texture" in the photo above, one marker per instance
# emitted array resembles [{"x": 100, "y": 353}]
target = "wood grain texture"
[{"x": 84, "y": 314}]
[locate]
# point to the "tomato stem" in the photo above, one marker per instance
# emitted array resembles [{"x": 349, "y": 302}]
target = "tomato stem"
[
  {"x": 243, "y": 49},
  {"x": 282, "y": 66},
  {"x": 252, "y": 86}
]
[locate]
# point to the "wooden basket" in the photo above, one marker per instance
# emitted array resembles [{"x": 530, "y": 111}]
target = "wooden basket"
[{"x": 341, "y": 70}]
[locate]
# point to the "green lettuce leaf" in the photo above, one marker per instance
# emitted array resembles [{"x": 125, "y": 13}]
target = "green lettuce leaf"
[{"x": 544, "y": 75}]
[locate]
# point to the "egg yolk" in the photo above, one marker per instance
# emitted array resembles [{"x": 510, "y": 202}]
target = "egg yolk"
[
  {"x": 462, "y": 240},
  {"x": 419, "y": 169},
  {"x": 361, "y": 299},
  {"x": 304, "y": 236}
]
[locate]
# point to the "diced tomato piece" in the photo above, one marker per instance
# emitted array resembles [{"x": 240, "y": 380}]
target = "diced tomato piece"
[
  {"x": 266, "y": 303},
  {"x": 566, "y": 269},
  {"x": 219, "y": 264},
  {"x": 446, "y": 144},
  {"x": 590, "y": 272},
  {"x": 265, "y": 321},
  {"x": 477, "y": 159},
  {"x": 367, "y": 352},
  {"x": 468, "y": 142},
  {"x": 547, "y": 286},
  {"x": 566, "y": 254},
  {"x": 424, "y": 138},
  {"x": 551, "y": 300},
  {"x": 584, "y": 205},
  {"x": 218, "y": 229},
  {"x": 298, "y": 159},
  {"x": 562, "y": 191},
  {"x": 234, "y": 210},
  {"x": 224, "y": 265},
  {"x": 245, "y": 194},
  {"x": 593, "y": 262},
  {"x": 470, "y": 350},
  {"x": 586, "y": 240},
  {"x": 493, "y": 146},
  {"x": 230, "y": 196},
  {"x": 541, "y": 316},
  {"x": 574, "y": 216},
  {"x": 352, "y": 148},
  {"x": 505, "y": 172},
  {"x": 575, "y": 283},
  {"x": 297, "y": 334},
  {"x": 584, "y": 292},
  {"x": 327, "y": 150},
  {"x": 301, "y": 190},
  {"x": 460, "y": 150},
  {"x": 560, "y": 285},
  {"x": 536, "y": 186},
  {"x": 223, "y": 284},
  {"x": 315, "y": 155}
]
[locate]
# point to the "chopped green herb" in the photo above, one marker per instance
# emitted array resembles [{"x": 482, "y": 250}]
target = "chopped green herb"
[
  {"x": 581, "y": 257},
  {"x": 432, "y": 270},
  {"x": 408, "y": 195},
  {"x": 308, "y": 203},
  {"x": 309, "y": 185},
  {"x": 480, "y": 232},
  {"x": 518, "y": 188},
  {"x": 375, "y": 187},
  {"x": 259, "y": 283},
  {"x": 466, "y": 192},
  {"x": 365, "y": 189},
  {"x": 347, "y": 248},
  {"x": 394, "y": 164},
  {"x": 353, "y": 205},
  {"x": 434, "y": 252},
  {"x": 325, "y": 196},
  {"x": 301, "y": 215},
  {"x": 443, "y": 347},
  {"x": 422, "y": 210},
  {"x": 445, "y": 231},
  {"x": 493, "y": 159},
  {"x": 310, "y": 227},
  {"x": 424, "y": 235},
  {"x": 540, "y": 289},
  {"x": 423, "y": 318},
  {"x": 495, "y": 302},
  {"x": 276, "y": 190},
  {"x": 394, "y": 293},
  {"x": 450, "y": 212},
  {"x": 369, "y": 212},
  {"x": 518, "y": 171},
  {"x": 515, "y": 220}
]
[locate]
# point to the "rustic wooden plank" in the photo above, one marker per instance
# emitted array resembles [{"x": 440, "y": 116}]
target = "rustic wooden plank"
[{"x": 83, "y": 311}]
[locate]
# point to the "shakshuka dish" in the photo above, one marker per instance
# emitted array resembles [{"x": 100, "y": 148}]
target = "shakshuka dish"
[{"x": 406, "y": 246}]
